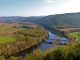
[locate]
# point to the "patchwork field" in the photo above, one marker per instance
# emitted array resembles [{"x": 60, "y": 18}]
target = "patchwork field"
[{"x": 7, "y": 30}]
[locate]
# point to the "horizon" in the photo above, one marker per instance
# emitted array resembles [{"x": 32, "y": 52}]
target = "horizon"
[
  {"x": 28, "y": 8},
  {"x": 40, "y": 15}
]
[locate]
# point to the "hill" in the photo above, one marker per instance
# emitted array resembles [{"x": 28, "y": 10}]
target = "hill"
[
  {"x": 60, "y": 20},
  {"x": 53, "y": 21}
]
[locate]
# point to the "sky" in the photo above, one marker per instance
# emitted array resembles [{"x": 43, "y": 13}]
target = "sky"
[{"x": 38, "y": 7}]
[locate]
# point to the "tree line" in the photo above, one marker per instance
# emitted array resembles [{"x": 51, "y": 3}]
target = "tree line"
[{"x": 67, "y": 52}]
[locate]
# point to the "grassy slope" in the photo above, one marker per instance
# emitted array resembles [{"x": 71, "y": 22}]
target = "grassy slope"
[
  {"x": 75, "y": 34},
  {"x": 6, "y": 39}
]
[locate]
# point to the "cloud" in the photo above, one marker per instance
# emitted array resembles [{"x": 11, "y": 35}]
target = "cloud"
[{"x": 49, "y": 1}]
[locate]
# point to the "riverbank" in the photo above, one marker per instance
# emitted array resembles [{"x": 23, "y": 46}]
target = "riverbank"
[
  {"x": 18, "y": 46},
  {"x": 55, "y": 31},
  {"x": 24, "y": 40},
  {"x": 23, "y": 43},
  {"x": 68, "y": 52},
  {"x": 42, "y": 46}
]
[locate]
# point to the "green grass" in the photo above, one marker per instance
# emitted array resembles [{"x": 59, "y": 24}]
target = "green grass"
[
  {"x": 9, "y": 29},
  {"x": 6, "y": 39},
  {"x": 75, "y": 34},
  {"x": 3, "y": 28}
]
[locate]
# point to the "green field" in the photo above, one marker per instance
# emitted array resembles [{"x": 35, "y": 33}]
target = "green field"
[
  {"x": 9, "y": 29},
  {"x": 6, "y": 39},
  {"x": 75, "y": 34}
]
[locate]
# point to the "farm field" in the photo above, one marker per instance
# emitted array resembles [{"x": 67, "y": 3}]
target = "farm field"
[
  {"x": 7, "y": 31},
  {"x": 13, "y": 26},
  {"x": 6, "y": 39},
  {"x": 75, "y": 34}
]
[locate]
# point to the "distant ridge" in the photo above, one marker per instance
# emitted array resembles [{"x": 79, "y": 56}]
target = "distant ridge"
[
  {"x": 54, "y": 21},
  {"x": 60, "y": 20}
]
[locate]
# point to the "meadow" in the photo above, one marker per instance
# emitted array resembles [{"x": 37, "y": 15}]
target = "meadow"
[
  {"x": 75, "y": 34},
  {"x": 6, "y": 39}
]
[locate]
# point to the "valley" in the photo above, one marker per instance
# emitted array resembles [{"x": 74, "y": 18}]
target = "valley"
[{"x": 27, "y": 37}]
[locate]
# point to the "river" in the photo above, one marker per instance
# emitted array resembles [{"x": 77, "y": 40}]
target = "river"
[{"x": 43, "y": 46}]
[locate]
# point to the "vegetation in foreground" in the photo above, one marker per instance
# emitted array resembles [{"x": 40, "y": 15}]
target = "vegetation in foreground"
[{"x": 68, "y": 52}]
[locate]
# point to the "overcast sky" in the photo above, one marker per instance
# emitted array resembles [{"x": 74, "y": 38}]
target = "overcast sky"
[{"x": 38, "y": 7}]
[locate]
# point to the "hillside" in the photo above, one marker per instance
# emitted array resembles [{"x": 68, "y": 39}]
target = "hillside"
[
  {"x": 59, "y": 21},
  {"x": 55, "y": 21}
]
